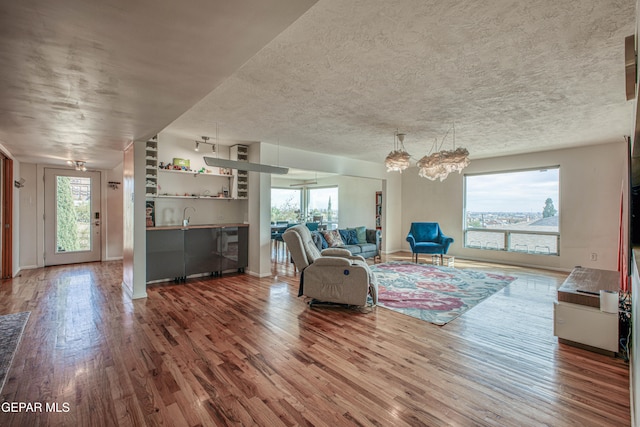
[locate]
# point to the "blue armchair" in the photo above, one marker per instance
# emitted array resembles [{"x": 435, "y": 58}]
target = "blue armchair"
[{"x": 427, "y": 238}]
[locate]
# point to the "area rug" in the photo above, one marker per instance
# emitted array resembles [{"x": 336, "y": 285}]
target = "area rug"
[
  {"x": 432, "y": 293},
  {"x": 11, "y": 328}
]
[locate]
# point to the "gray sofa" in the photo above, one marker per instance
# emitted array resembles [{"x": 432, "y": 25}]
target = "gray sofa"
[{"x": 365, "y": 250}]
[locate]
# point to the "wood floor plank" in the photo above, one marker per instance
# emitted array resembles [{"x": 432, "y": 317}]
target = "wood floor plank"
[{"x": 241, "y": 350}]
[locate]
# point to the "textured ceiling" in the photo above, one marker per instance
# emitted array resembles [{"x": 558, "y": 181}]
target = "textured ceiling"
[
  {"x": 513, "y": 76},
  {"x": 82, "y": 79}
]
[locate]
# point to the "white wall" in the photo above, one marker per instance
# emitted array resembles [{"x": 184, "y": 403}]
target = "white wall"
[
  {"x": 134, "y": 251},
  {"x": 356, "y": 200},
  {"x": 113, "y": 219},
  {"x": 258, "y": 216},
  {"x": 591, "y": 181},
  {"x": 27, "y": 202}
]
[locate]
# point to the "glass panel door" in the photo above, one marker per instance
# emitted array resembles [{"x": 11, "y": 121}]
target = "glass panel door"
[{"x": 72, "y": 216}]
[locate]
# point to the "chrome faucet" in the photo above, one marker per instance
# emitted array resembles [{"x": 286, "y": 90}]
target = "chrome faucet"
[{"x": 185, "y": 220}]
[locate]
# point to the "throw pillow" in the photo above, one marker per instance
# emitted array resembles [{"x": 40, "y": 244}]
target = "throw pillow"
[
  {"x": 348, "y": 236},
  {"x": 333, "y": 238},
  {"x": 323, "y": 241},
  {"x": 352, "y": 237},
  {"x": 361, "y": 234}
]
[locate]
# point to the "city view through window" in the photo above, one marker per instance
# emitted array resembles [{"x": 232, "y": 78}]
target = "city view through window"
[
  {"x": 513, "y": 211},
  {"x": 305, "y": 205}
]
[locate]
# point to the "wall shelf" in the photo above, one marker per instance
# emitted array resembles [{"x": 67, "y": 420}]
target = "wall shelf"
[
  {"x": 167, "y": 196},
  {"x": 196, "y": 173},
  {"x": 240, "y": 188}
]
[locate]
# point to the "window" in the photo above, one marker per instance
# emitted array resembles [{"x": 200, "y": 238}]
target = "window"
[
  {"x": 513, "y": 211},
  {"x": 285, "y": 204},
  {"x": 305, "y": 205},
  {"x": 322, "y": 203}
]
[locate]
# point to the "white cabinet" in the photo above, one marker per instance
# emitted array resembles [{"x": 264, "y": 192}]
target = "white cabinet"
[
  {"x": 241, "y": 184},
  {"x": 577, "y": 317},
  {"x": 586, "y": 325},
  {"x": 151, "y": 168}
]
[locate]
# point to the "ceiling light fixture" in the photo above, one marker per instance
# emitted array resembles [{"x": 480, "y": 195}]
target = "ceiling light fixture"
[
  {"x": 245, "y": 166},
  {"x": 306, "y": 182},
  {"x": 79, "y": 165},
  {"x": 205, "y": 140},
  {"x": 241, "y": 165},
  {"x": 303, "y": 184},
  {"x": 439, "y": 164},
  {"x": 398, "y": 159}
]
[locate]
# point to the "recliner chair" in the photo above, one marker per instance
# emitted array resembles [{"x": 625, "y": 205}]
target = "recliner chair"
[
  {"x": 428, "y": 238},
  {"x": 330, "y": 276}
]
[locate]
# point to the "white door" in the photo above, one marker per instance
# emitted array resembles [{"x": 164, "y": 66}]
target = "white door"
[{"x": 71, "y": 216}]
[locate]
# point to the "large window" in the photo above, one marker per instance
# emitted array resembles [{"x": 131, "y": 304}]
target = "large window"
[
  {"x": 305, "y": 205},
  {"x": 285, "y": 204},
  {"x": 322, "y": 203},
  {"x": 513, "y": 211}
]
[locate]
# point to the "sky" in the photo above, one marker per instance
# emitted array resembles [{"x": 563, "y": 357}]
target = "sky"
[{"x": 523, "y": 191}]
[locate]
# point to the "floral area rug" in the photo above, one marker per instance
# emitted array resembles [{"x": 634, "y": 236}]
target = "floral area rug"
[{"x": 435, "y": 294}]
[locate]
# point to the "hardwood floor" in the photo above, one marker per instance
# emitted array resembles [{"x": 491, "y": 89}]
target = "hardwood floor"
[{"x": 239, "y": 350}]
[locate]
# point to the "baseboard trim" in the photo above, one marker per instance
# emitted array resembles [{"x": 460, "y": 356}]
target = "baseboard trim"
[
  {"x": 25, "y": 267},
  {"x": 515, "y": 264},
  {"x": 130, "y": 293},
  {"x": 260, "y": 276}
]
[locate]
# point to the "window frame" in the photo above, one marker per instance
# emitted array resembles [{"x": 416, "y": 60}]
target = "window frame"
[
  {"x": 507, "y": 234},
  {"x": 305, "y": 197},
  {"x": 300, "y": 199}
]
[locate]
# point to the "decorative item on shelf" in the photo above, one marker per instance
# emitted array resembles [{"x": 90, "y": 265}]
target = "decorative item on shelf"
[
  {"x": 183, "y": 164},
  {"x": 79, "y": 165},
  {"x": 150, "y": 214},
  {"x": 398, "y": 159},
  {"x": 439, "y": 164}
]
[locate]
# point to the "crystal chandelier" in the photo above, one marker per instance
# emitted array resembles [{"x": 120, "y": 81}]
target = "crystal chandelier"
[
  {"x": 440, "y": 164},
  {"x": 398, "y": 159}
]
